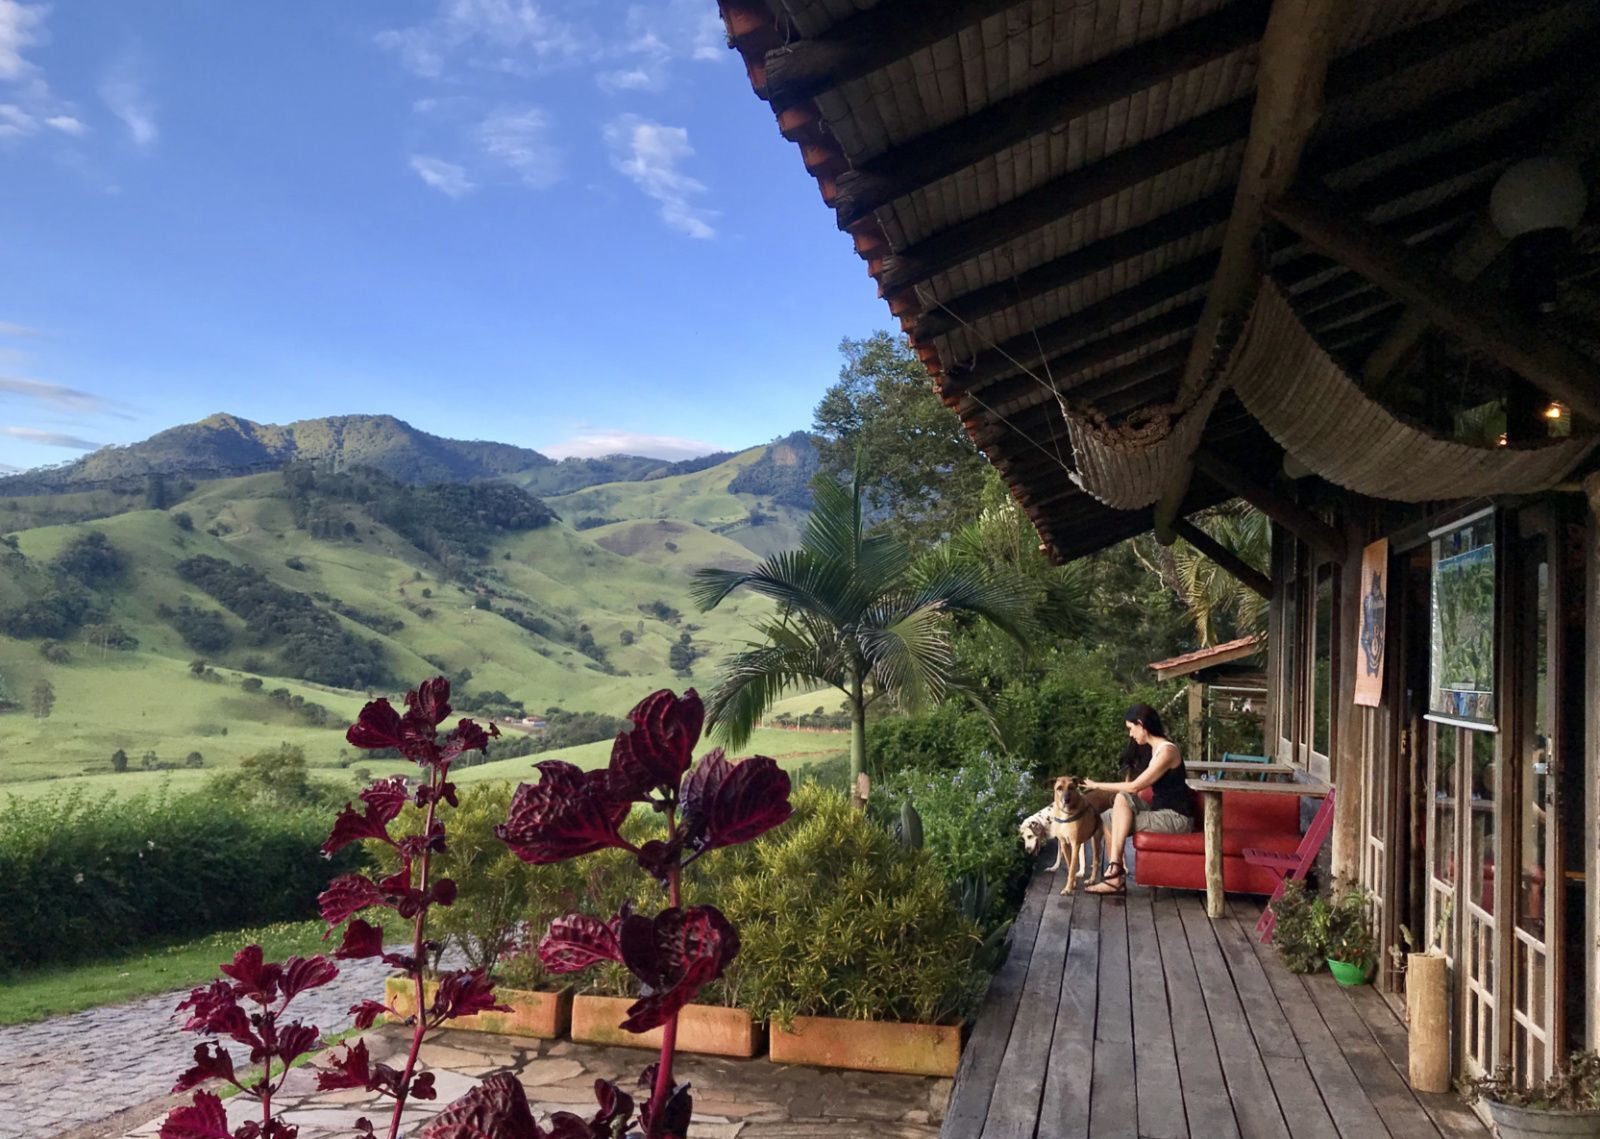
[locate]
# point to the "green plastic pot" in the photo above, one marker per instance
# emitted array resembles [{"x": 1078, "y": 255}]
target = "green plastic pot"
[{"x": 1346, "y": 973}]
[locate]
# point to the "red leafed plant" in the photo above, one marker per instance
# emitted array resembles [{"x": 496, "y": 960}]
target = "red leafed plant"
[{"x": 569, "y": 812}]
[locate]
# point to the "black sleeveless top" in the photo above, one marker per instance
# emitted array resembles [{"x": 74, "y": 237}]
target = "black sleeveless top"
[{"x": 1171, "y": 791}]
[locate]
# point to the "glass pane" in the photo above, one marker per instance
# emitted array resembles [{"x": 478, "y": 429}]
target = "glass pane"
[
  {"x": 1288, "y": 652},
  {"x": 1444, "y": 804},
  {"x": 1322, "y": 688},
  {"x": 1480, "y": 837},
  {"x": 1536, "y": 773}
]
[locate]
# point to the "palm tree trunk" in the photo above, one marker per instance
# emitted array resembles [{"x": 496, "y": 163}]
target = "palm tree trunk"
[{"x": 858, "y": 733}]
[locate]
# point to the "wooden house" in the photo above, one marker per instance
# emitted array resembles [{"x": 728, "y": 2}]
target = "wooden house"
[{"x": 1330, "y": 257}]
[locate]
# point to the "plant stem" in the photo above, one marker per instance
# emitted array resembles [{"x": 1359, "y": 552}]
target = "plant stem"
[
  {"x": 669, "y": 1031},
  {"x": 435, "y": 780}
]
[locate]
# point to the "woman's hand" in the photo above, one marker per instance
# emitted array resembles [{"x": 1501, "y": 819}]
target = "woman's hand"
[{"x": 1091, "y": 785}]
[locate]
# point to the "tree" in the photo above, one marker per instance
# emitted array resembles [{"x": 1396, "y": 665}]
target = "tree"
[
  {"x": 119, "y": 761},
  {"x": 857, "y": 613},
  {"x": 42, "y": 699},
  {"x": 194, "y": 759},
  {"x": 1220, "y": 606},
  {"x": 150, "y": 761},
  {"x": 926, "y": 470}
]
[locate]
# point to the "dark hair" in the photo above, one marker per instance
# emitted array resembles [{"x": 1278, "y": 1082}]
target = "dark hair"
[
  {"x": 1147, "y": 718},
  {"x": 1135, "y": 758}
]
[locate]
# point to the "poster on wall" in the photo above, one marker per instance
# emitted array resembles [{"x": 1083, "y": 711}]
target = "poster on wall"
[
  {"x": 1374, "y": 611},
  {"x": 1461, "y": 681}
]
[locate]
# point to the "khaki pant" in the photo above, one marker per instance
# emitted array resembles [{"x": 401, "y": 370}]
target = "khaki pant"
[{"x": 1164, "y": 821}]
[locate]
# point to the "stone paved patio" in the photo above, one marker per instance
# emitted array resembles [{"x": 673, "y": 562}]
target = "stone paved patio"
[{"x": 747, "y": 1099}]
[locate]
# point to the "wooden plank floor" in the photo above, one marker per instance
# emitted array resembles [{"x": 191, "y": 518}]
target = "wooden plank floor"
[{"x": 1116, "y": 1018}]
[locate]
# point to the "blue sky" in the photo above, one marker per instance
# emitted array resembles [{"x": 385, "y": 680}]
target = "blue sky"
[{"x": 568, "y": 225}]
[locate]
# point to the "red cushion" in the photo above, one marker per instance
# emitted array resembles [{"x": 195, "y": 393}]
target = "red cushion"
[{"x": 1234, "y": 842}]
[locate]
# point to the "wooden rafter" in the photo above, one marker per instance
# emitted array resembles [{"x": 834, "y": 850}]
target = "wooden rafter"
[
  {"x": 864, "y": 43},
  {"x": 1280, "y": 508},
  {"x": 1477, "y": 318},
  {"x": 1246, "y": 574},
  {"x": 1060, "y": 99},
  {"x": 1289, "y": 91}
]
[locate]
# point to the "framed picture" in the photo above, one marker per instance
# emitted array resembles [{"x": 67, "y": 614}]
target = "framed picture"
[
  {"x": 1374, "y": 624},
  {"x": 1461, "y": 660}
]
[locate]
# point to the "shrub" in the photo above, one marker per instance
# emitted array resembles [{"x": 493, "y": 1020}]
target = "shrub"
[
  {"x": 81, "y": 877},
  {"x": 945, "y": 738},
  {"x": 880, "y": 939},
  {"x": 969, "y": 822},
  {"x": 182, "y": 520},
  {"x": 55, "y": 652},
  {"x": 1297, "y": 936},
  {"x": 91, "y": 558}
]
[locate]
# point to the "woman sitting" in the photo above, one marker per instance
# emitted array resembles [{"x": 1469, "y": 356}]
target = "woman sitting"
[{"x": 1171, "y": 806}]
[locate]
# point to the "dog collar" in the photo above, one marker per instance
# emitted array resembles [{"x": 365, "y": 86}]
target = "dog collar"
[{"x": 1071, "y": 818}]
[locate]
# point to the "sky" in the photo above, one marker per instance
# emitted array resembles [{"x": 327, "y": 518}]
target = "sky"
[{"x": 568, "y": 225}]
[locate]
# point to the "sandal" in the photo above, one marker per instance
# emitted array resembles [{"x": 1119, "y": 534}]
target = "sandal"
[{"x": 1111, "y": 882}]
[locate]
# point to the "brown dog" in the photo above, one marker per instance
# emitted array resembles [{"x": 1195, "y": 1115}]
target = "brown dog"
[{"x": 1075, "y": 823}]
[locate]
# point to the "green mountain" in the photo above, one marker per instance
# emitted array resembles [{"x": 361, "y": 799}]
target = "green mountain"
[
  {"x": 303, "y": 589},
  {"x": 225, "y": 445}
]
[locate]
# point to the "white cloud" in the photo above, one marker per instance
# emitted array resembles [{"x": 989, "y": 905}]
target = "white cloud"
[
  {"x": 515, "y": 36},
  {"x": 596, "y": 444},
  {"x": 650, "y": 153},
  {"x": 446, "y": 177},
  {"x": 57, "y": 395},
  {"x": 519, "y": 140},
  {"x": 66, "y": 124},
  {"x": 631, "y": 79},
  {"x": 21, "y": 27},
  {"x": 50, "y": 438},
  {"x": 7, "y": 328},
  {"x": 122, "y": 88}
]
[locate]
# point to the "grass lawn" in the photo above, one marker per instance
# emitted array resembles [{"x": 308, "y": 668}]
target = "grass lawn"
[{"x": 59, "y": 989}]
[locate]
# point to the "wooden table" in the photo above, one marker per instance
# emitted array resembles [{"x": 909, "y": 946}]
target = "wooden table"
[
  {"x": 1234, "y": 767},
  {"x": 1210, "y": 792}
]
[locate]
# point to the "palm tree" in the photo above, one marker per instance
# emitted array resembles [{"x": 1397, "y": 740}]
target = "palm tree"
[
  {"x": 857, "y": 612},
  {"x": 1211, "y": 593}
]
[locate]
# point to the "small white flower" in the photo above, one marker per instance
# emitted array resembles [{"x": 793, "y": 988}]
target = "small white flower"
[{"x": 78, "y": 878}]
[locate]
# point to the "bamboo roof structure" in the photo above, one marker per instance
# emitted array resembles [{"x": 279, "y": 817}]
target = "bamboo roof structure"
[{"x": 1070, "y": 207}]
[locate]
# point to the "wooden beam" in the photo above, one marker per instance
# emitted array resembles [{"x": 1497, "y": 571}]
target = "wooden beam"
[
  {"x": 1477, "y": 318},
  {"x": 1246, "y": 574},
  {"x": 1065, "y": 195},
  {"x": 923, "y": 160},
  {"x": 1280, "y": 508},
  {"x": 1289, "y": 85},
  {"x": 1031, "y": 349},
  {"x": 1080, "y": 264},
  {"x": 865, "y": 42}
]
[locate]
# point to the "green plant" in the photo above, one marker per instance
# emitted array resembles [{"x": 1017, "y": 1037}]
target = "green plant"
[
  {"x": 885, "y": 940},
  {"x": 1298, "y": 934},
  {"x": 1575, "y": 1086},
  {"x": 1346, "y": 928}
]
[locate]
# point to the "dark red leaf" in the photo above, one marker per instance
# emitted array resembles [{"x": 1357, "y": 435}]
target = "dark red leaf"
[
  {"x": 725, "y": 803},
  {"x": 211, "y": 1062},
  {"x": 467, "y": 736},
  {"x": 578, "y": 941},
  {"x": 349, "y": 1067},
  {"x": 378, "y": 725},
  {"x": 360, "y": 940},
  {"x": 669, "y": 1120},
  {"x": 676, "y": 954},
  {"x": 347, "y": 895},
  {"x": 616, "y": 1112},
  {"x": 214, "y": 1008},
  {"x": 661, "y": 746},
  {"x": 567, "y": 813},
  {"x": 422, "y": 1087},
  {"x": 385, "y": 799},
  {"x": 431, "y": 700},
  {"x": 495, "y": 1109},
  {"x": 302, "y": 973},
  {"x": 275, "y": 1129},
  {"x": 204, "y": 1119},
  {"x": 444, "y": 891},
  {"x": 296, "y": 1040},
  {"x": 367, "y": 1012},
  {"x": 253, "y": 976},
  {"x": 464, "y": 993}
]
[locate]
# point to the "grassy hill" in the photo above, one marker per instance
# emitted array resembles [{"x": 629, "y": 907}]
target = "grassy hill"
[{"x": 537, "y": 611}]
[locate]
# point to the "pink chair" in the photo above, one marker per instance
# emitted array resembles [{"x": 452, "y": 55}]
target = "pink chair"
[{"x": 1288, "y": 866}]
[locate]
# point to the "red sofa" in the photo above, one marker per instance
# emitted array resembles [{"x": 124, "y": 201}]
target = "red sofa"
[{"x": 1249, "y": 820}]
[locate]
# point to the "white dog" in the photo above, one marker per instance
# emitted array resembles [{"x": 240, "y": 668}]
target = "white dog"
[{"x": 1041, "y": 825}]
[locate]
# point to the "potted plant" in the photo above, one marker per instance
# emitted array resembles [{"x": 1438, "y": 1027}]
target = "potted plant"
[
  {"x": 1568, "y": 1103},
  {"x": 1298, "y": 934},
  {"x": 876, "y": 972},
  {"x": 1347, "y": 936},
  {"x": 503, "y": 906}
]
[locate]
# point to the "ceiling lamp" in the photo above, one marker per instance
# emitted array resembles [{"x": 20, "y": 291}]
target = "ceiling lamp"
[
  {"x": 1536, "y": 205},
  {"x": 1554, "y": 411}
]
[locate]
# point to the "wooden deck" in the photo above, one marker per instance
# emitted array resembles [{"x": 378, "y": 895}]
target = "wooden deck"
[{"x": 1141, "y": 1017}]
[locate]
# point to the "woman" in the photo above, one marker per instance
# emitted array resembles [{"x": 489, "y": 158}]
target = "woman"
[{"x": 1171, "y": 806}]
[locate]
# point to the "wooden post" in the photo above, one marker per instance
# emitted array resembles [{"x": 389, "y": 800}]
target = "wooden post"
[
  {"x": 1212, "y": 801},
  {"x": 1197, "y": 719},
  {"x": 1428, "y": 1014}
]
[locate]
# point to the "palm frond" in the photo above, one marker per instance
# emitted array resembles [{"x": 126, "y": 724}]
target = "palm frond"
[
  {"x": 795, "y": 579},
  {"x": 909, "y": 653},
  {"x": 752, "y": 681},
  {"x": 1001, "y": 599}
]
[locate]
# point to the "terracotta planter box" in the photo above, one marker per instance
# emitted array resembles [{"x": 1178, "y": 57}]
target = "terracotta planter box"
[
  {"x": 544, "y": 1015},
  {"x": 868, "y": 1045},
  {"x": 707, "y": 1029}
]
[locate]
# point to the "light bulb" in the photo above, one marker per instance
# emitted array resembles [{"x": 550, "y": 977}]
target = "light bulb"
[
  {"x": 1554, "y": 411},
  {"x": 1536, "y": 194}
]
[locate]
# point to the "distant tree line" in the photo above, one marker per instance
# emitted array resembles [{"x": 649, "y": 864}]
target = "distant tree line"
[{"x": 311, "y": 643}]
